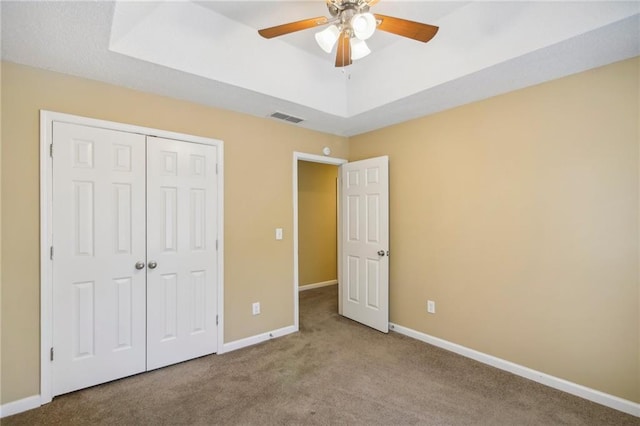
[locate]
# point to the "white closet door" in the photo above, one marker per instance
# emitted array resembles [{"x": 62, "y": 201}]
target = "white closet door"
[
  {"x": 99, "y": 219},
  {"x": 181, "y": 237}
]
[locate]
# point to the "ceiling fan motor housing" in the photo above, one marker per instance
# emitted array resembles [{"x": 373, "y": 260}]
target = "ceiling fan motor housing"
[
  {"x": 338, "y": 8},
  {"x": 345, "y": 11}
]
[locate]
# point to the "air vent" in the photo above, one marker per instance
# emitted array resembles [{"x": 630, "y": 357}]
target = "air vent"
[{"x": 285, "y": 117}]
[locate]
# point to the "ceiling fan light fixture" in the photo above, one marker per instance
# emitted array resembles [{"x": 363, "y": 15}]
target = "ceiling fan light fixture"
[
  {"x": 363, "y": 25},
  {"x": 359, "y": 49},
  {"x": 351, "y": 24},
  {"x": 327, "y": 38}
]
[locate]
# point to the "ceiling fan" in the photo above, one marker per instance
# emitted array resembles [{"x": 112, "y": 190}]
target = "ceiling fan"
[{"x": 351, "y": 24}]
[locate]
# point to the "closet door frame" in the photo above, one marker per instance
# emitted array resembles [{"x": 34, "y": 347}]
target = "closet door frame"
[{"x": 46, "y": 227}]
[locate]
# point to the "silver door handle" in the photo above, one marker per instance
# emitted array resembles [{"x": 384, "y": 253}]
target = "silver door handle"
[
  {"x": 152, "y": 265},
  {"x": 139, "y": 265},
  {"x": 380, "y": 253}
]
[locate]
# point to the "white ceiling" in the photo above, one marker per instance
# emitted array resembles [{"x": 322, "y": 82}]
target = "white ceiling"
[{"x": 209, "y": 52}]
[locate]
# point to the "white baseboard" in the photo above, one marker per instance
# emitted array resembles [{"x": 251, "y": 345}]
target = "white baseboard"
[
  {"x": 593, "y": 395},
  {"x": 317, "y": 285},
  {"x": 259, "y": 338},
  {"x": 19, "y": 406}
]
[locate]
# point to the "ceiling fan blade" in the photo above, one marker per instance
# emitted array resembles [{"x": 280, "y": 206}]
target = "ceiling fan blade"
[
  {"x": 405, "y": 28},
  {"x": 343, "y": 54},
  {"x": 292, "y": 27}
]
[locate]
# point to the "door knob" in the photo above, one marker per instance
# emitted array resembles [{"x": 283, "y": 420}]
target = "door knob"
[
  {"x": 380, "y": 253},
  {"x": 152, "y": 265},
  {"x": 139, "y": 265}
]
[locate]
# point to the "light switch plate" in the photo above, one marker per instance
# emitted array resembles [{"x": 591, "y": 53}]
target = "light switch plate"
[{"x": 278, "y": 233}]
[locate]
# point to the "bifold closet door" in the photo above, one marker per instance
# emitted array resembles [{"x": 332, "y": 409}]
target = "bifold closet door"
[
  {"x": 181, "y": 251},
  {"x": 99, "y": 312}
]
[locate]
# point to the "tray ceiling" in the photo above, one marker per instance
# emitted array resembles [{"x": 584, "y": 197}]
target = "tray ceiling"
[{"x": 209, "y": 52}]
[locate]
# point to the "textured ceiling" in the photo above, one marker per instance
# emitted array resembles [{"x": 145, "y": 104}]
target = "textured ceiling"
[{"x": 209, "y": 52}]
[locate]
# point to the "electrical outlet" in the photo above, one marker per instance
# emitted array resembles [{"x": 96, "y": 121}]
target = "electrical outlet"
[
  {"x": 255, "y": 308},
  {"x": 431, "y": 306}
]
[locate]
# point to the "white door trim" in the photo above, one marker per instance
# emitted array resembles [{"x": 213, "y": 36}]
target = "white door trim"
[
  {"x": 301, "y": 156},
  {"x": 46, "y": 277}
]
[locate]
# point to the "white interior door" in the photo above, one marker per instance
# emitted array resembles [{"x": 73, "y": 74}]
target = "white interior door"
[
  {"x": 365, "y": 241},
  {"x": 181, "y": 237},
  {"x": 98, "y": 294},
  {"x": 135, "y": 270}
]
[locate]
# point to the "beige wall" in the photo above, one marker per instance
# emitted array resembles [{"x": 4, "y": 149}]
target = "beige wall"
[
  {"x": 519, "y": 216},
  {"x": 0, "y": 236},
  {"x": 258, "y": 198},
  {"x": 317, "y": 232}
]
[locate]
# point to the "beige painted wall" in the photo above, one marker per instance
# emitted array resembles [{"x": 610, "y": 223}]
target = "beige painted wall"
[
  {"x": 258, "y": 198},
  {"x": 0, "y": 233},
  {"x": 519, "y": 216},
  {"x": 317, "y": 234}
]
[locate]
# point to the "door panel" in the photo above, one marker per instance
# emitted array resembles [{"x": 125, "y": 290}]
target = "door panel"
[
  {"x": 365, "y": 233},
  {"x": 181, "y": 238},
  {"x": 99, "y": 217}
]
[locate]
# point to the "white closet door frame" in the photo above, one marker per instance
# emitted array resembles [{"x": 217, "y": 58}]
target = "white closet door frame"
[{"x": 46, "y": 229}]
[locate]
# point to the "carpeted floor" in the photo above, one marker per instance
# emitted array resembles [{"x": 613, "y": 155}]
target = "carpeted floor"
[{"x": 334, "y": 371}]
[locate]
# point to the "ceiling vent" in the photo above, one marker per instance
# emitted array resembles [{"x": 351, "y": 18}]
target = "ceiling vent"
[{"x": 285, "y": 117}]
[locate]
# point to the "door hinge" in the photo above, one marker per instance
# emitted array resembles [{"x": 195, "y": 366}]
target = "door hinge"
[
  {"x": 216, "y": 320},
  {"x": 216, "y": 245},
  {"x": 51, "y": 354},
  {"x": 51, "y": 253},
  {"x": 50, "y": 150},
  {"x": 216, "y": 168}
]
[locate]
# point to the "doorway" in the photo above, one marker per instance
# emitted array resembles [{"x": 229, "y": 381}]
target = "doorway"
[
  {"x": 363, "y": 239},
  {"x": 312, "y": 272},
  {"x": 317, "y": 221}
]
